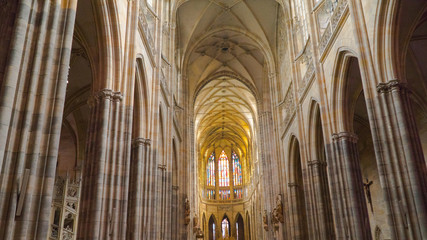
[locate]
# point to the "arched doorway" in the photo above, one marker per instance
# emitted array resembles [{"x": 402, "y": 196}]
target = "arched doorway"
[
  {"x": 240, "y": 228},
  {"x": 212, "y": 228}
]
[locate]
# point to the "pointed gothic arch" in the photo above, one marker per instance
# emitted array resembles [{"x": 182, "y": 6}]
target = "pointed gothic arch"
[
  {"x": 240, "y": 227},
  {"x": 225, "y": 226},
  {"x": 318, "y": 174},
  {"x": 339, "y": 98},
  {"x": 140, "y": 102},
  {"x": 213, "y": 228},
  {"x": 296, "y": 194},
  {"x": 248, "y": 228}
]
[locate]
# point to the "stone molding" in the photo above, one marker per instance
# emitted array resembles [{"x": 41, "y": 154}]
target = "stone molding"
[
  {"x": 162, "y": 167},
  {"x": 104, "y": 94},
  {"x": 140, "y": 141},
  {"x": 392, "y": 85},
  {"x": 316, "y": 163},
  {"x": 117, "y": 97},
  {"x": 345, "y": 136}
]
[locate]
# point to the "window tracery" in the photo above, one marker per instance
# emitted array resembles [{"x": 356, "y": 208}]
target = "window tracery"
[
  {"x": 210, "y": 170},
  {"x": 224, "y": 194},
  {"x": 224, "y": 169},
  {"x": 224, "y": 178},
  {"x": 237, "y": 169}
]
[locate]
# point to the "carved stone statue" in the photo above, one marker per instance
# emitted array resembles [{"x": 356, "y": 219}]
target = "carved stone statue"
[
  {"x": 199, "y": 234},
  {"x": 278, "y": 210},
  {"x": 265, "y": 220},
  {"x": 195, "y": 224},
  {"x": 187, "y": 211}
]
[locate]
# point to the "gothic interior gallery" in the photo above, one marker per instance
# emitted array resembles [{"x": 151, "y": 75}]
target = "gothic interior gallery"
[{"x": 213, "y": 119}]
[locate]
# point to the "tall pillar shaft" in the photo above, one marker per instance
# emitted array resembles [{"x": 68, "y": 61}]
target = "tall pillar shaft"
[
  {"x": 295, "y": 210},
  {"x": 323, "y": 219},
  {"x": 352, "y": 220},
  {"x": 404, "y": 167},
  {"x": 31, "y": 108},
  {"x": 104, "y": 201},
  {"x": 137, "y": 188}
]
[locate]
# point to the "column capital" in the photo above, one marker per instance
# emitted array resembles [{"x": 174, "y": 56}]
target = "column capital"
[
  {"x": 140, "y": 141},
  {"x": 317, "y": 163},
  {"x": 292, "y": 184},
  {"x": 346, "y": 136},
  {"x": 104, "y": 94},
  {"x": 117, "y": 96},
  {"x": 162, "y": 167},
  {"x": 391, "y": 85}
]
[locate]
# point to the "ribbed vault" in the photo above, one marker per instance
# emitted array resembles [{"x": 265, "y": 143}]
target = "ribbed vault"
[
  {"x": 226, "y": 51},
  {"x": 225, "y": 115}
]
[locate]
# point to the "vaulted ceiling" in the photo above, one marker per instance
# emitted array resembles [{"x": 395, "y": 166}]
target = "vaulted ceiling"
[
  {"x": 226, "y": 48},
  {"x": 225, "y": 113},
  {"x": 232, "y": 35}
]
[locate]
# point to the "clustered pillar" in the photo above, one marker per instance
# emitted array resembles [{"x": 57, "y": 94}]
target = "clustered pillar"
[
  {"x": 323, "y": 220},
  {"x": 31, "y": 106},
  {"x": 138, "y": 186},
  {"x": 351, "y": 215},
  {"x": 405, "y": 174},
  {"x": 103, "y": 202}
]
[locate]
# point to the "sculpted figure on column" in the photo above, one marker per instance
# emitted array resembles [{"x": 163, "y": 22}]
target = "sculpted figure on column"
[
  {"x": 278, "y": 210},
  {"x": 187, "y": 211}
]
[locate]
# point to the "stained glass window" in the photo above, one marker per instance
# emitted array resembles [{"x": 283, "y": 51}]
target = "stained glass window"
[
  {"x": 210, "y": 170},
  {"x": 223, "y": 167},
  {"x": 224, "y": 194},
  {"x": 211, "y": 194},
  {"x": 237, "y": 169},
  {"x": 238, "y": 193}
]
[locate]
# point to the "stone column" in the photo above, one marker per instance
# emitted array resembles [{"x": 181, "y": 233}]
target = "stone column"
[
  {"x": 352, "y": 220},
  {"x": 296, "y": 221},
  {"x": 32, "y": 97},
  {"x": 175, "y": 221},
  {"x": 104, "y": 173},
  {"x": 268, "y": 167},
  {"x": 404, "y": 167},
  {"x": 137, "y": 194},
  {"x": 324, "y": 222}
]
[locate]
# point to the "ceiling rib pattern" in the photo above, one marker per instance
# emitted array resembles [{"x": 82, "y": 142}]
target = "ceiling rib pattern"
[
  {"x": 228, "y": 39},
  {"x": 224, "y": 113}
]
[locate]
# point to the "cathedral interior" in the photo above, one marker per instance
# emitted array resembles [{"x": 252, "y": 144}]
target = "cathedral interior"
[{"x": 213, "y": 119}]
